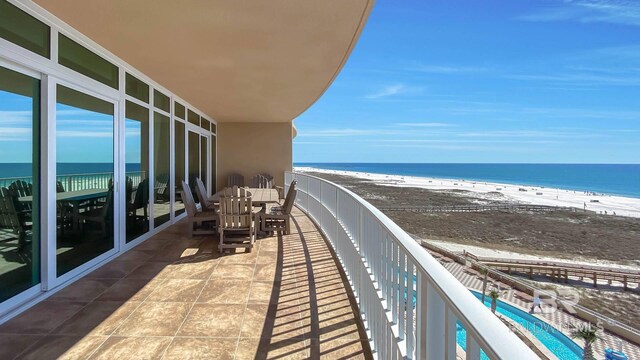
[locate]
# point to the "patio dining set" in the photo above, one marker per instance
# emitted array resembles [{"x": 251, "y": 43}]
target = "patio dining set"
[{"x": 238, "y": 214}]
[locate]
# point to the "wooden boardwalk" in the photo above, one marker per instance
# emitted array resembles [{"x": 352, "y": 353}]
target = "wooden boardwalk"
[{"x": 562, "y": 271}]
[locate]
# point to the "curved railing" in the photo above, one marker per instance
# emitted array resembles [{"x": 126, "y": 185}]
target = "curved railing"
[{"x": 378, "y": 258}]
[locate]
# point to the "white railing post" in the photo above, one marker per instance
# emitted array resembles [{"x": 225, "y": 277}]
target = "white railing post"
[
  {"x": 435, "y": 334},
  {"x": 379, "y": 260},
  {"x": 473, "y": 350}
]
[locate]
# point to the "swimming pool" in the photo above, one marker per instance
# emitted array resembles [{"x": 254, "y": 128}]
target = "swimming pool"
[{"x": 554, "y": 340}]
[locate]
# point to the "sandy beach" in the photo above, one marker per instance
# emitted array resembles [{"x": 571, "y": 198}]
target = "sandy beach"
[
  {"x": 522, "y": 194},
  {"x": 580, "y": 237}
]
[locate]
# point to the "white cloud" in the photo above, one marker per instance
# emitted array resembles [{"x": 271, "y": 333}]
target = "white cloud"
[
  {"x": 427, "y": 124},
  {"x": 84, "y": 134},
  {"x": 448, "y": 69},
  {"x": 388, "y": 91},
  {"x": 341, "y": 132},
  {"x": 586, "y": 11}
]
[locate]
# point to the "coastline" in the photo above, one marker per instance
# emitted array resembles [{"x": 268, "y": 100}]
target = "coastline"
[{"x": 520, "y": 194}]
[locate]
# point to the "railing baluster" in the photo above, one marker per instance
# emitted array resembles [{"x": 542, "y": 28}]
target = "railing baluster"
[
  {"x": 379, "y": 260},
  {"x": 410, "y": 320},
  {"x": 473, "y": 349}
]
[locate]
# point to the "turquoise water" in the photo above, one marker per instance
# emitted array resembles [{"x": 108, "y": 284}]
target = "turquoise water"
[
  {"x": 554, "y": 340},
  {"x": 616, "y": 179},
  {"x": 558, "y": 343}
]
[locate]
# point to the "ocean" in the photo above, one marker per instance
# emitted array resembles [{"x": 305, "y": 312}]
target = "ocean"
[{"x": 614, "y": 179}]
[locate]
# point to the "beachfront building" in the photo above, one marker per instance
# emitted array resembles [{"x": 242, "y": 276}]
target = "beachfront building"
[{"x": 107, "y": 106}]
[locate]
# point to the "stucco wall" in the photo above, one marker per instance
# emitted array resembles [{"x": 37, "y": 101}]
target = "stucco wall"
[{"x": 254, "y": 148}]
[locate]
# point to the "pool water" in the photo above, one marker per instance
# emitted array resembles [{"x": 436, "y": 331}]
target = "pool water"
[{"x": 554, "y": 340}]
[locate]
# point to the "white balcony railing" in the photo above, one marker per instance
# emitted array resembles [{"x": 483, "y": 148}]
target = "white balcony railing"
[{"x": 378, "y": 258}]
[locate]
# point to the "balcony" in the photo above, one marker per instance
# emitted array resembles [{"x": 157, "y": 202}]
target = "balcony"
[{"x": 174, "y": 296}]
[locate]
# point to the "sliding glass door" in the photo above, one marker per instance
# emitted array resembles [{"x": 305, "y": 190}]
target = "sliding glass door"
[
  {"x": 85, "y": 173},
  {"x": 19, "y": 175},
  {"x": 136, "y": 196},
  {"x": 198, "y": 145}
]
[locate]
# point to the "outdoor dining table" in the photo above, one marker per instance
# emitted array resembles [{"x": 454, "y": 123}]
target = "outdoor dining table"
[
  {"x": 259, "y": 197},
  {"x": 75, "y": 198}
]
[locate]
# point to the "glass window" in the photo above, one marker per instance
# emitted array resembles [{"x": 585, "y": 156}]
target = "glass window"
[
  {"x": 84, "y": 164},
  {"x": 19, "y": 200},
  {"x": 23, "y": 29},
  {"x": 77, "y": 57},
  {"x": 179, "y": 110},
  {"x": 212, "y": 161},
  {"x": 203, "y": 159},
  {"x": 194, "y": 118},
  {"x": 194, "y": 159},
  {"x": 178, "y": 206},
  {"x": 205, "y": 124},
  {"x": 136, "y": 88},
  {"x": 136, "y": 197},
  {"x": 213, "y": 128},
  {"x": 161, "y": 161},
  {"x": 161, "y": 101}
]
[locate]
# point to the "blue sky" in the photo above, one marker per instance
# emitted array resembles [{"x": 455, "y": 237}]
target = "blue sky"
[{"x": 547, "y": 81}]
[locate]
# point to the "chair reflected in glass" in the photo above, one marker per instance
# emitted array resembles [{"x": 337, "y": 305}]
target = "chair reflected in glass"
[{"x": 138, "y": 209}]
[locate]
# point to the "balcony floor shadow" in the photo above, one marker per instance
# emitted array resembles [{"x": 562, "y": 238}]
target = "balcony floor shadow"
[{"x": 175, "y": 297}]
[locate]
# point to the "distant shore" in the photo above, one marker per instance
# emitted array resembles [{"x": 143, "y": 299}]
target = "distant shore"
[{"x": 522, "y": 194}]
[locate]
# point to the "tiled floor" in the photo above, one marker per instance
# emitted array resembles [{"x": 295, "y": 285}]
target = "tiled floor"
[{"x": 176, "y": 297}]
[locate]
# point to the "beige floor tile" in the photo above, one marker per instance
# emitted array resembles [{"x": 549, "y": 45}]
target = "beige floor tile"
[
  {"x": 83, "y": 290},
  {"x": 97, "y": 318},
  {"x": 177, "y": 290},
  {"x": 130, "y": 289},
  {"x": 42, "y": 318},
  {"x": 201, "y": 348},
  {"x": 196, "y": 269},
  {"x": 12, "y": 345},
  {"x": 341, "y": 348},
  {"x": 132, "y": 348},
  {"x": 264, "y": 292},
  {"x": 149, "y": 270},
  {"x": 116, "y": 269},
  {"x": 272, "y": 348},
  {"x": 264, "y": 320},
  {"x": 63, "y": 347},
  {"x": 233, "y": 271},
  {"x": 154, "y": 319},
  {"x": 215, "y": 320},
  {"x": 266, "y": 271},
  {"x": 223, "y": 291}
]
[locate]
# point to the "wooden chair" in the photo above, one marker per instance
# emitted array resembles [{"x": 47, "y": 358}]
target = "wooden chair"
[
  {"x": 12, "y": 220},
  {"x": 205, "y": 201},
  {"x": 235, "y": 180},
  {"x": 161, "y": 188},
  {"x": 101, "y": 215},
  {"x": 237, "y": 226},
  {"x": 235, "y": 191},
  {"x": 140, "y": 201},
  {"x": 278, "y": 219},
  {"x": 261, "y": 181},
  {"x": 200, "y": 220}
]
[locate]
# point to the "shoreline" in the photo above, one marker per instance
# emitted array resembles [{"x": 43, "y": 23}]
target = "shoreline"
[{"x": 520, "y": 194}]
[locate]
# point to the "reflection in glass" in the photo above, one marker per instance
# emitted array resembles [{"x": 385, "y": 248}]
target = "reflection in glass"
[
  {"x": 178, "y": 206},
  {"x": 194, "y": 160},
  {"x": 203, "y": 159},
  {"x": 84, "y": 163},
  {"x": 161, "y": 161},
  {"x": 136, "y": 129},
  {"x": 19, "y": 200},
  {"x": 212, "y": 161}
]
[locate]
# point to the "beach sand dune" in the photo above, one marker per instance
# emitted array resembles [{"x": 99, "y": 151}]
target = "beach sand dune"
[{"x": 521, "y": 194}]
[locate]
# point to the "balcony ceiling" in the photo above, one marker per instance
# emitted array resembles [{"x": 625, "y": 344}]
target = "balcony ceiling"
[{"x": 238, "y": 61}]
